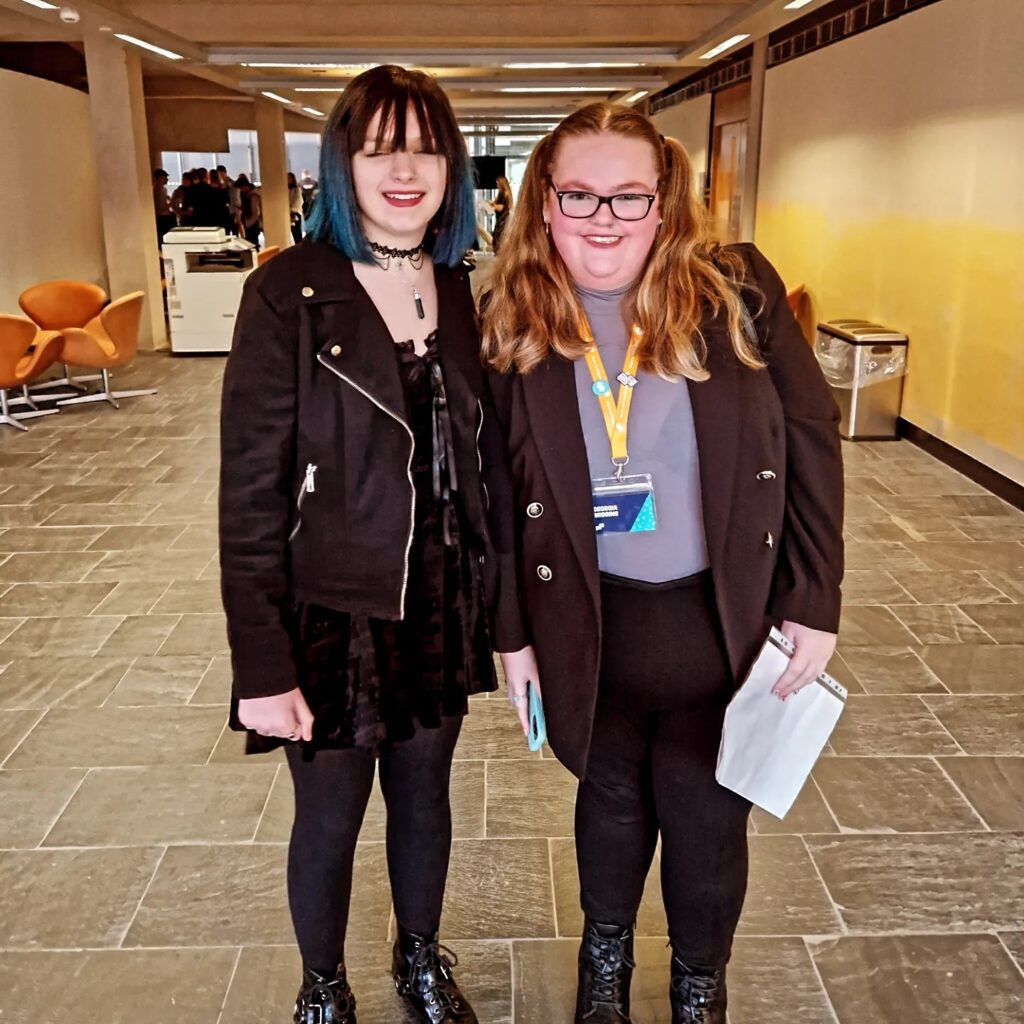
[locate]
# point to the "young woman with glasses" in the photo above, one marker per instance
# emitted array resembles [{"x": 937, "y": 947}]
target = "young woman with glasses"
[
  {"x": 678, "y": 487},
  {"x": 358, "y": 452}
]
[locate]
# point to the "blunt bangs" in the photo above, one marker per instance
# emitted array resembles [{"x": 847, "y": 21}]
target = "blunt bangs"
[{"x": 391, "y": 90}]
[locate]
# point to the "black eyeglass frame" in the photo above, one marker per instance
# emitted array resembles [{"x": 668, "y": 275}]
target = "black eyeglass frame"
[{"x": 602, "y": 201}]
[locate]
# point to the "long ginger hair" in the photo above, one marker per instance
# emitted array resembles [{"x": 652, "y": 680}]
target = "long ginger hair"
[{"x": 533, "y": 309}]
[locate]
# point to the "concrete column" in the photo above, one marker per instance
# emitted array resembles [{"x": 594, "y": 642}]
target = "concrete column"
[
  {"x": 125, "y": 177},
  {"x": 752, "y": 162},
  {"x": 273, "y": 172}
]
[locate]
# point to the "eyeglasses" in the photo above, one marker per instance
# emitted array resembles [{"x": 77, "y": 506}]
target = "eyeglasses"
[{"x": 625, "y": 206}]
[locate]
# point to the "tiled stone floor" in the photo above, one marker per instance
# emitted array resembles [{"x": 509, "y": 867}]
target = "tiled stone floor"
[{"x": 141, "y": 861}]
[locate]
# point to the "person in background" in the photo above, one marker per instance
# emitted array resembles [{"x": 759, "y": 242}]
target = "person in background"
[
  {"x": 234, "y": 200},
  {"x": 310, "y": 189},
  {"x": 178, "y": 199},
  {"x": 662, "y": 532},
  {"x": 165, "y": 218},
  {"x": 502, "y": 206},
  {"x": 207, "y": 203},
  {"x": 251, "y": 209},
  {"x": 295, "y": 207}
]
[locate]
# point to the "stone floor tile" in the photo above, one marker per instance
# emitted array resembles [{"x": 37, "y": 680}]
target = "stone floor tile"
[
  {"x": 68, "y": 538},
  {"x": 886, "y": 726},
  {"x": 1003, "y": 622},
  {"x": 215, "y": 686},
  {"x": 166, "y": 986},
  {"x": 993, "y": 785},
  {"x": 1011, "y": 582},
  {"x": 83, "y": 494},
  {"x": 886, "y": 555},
  {"x": 651, "y": 918},
  {"x": 61, "y": 899},
  {"x": 153, "y": 680},
  {"x": 135, "y": 538},
  {"x": 872, "y": 625},
  {"x": 939, "y": 624},
  {"x": 945, "y": 587},
  {"x": 197, "y": 634},
  {"x": 967, "y": 978},
  {"x": 52, "y": 599},
  {"x": 165, "y": 804},
  {"x": 486, "y": 882},
  {"x": 998, "y": 555},
  {"x": 67, "y": 636},
  {"x": 140, "y": 635},
  {"x": 890, "y": 670},
  {"x": 150, "y": 566},
  {"x": 235, "y": 895},
  {"x": 1014, "y": 942},
  {"x": 31, "y": 801},
  {"x": 190, "y": 596},
  {"x": 77, "y": 514},
  {"x": 115, "y": 737},
  {"x": 906, "y": 883},
  {"x": 872, "y": 587},
  {"x": 61, "y": 681},
  {"x": 893, "y": 794},
  {"x": 977, "y": 669},
  {"x": 48, "y": 567},
  {"x": 14, "y": 727},
  {"x": 983, "y": 724},
  {"x": 534, "y": 798},
  {"x": 491, "y": 732},
  {"x": 808, "y": 815}
]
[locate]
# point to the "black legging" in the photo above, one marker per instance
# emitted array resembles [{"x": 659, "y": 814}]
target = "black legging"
[
  {"x": 663, "y": 687},
  {"x": 331, "y": 794}
]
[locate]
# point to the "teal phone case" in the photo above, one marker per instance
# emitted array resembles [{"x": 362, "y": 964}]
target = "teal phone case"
[{"x": 538, "y": 729}]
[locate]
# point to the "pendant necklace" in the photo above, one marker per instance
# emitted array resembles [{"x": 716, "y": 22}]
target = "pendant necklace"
[{"x": 384, "y": 254}]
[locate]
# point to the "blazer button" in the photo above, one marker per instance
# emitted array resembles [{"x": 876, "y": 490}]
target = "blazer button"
[
  {"x": 766, "y": 474},
  {"x": 535, "y": 510},
  {"x": 335, "y": 350},
  {"x": 307, "y": 292},
  {"x": 544, "y": 573},
  {"x": 769, "y": 539}
]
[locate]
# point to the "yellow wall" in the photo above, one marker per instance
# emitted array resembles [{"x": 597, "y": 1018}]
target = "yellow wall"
[
  {"x": 690, "y": 123},
  {"x": 892, "y": 185},
  {"x": 50, "y": 223}
]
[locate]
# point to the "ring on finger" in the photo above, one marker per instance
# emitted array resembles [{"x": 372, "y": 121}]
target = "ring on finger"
[{"x": 514, "y": 698}]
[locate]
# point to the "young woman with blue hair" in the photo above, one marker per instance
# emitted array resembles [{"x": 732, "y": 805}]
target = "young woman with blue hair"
[{"x": 360, "y": 571}]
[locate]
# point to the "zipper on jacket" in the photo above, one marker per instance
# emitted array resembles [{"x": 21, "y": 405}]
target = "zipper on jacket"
[
  {"x": 308, "y": 487},
  {"x": 408, "y": 469},
  {"x": 479, "y": 457}
]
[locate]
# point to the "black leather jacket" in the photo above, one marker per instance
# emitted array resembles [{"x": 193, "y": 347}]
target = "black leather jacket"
[{"x": 316, "y": 496}]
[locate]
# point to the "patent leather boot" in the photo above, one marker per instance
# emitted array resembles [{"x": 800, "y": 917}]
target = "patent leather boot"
[
  {"x": 325, "y": 1000},
  {"x": 605, "y": 972},
  {"x": 422, "y": 969},
  {"x": 697, "y": 994}
]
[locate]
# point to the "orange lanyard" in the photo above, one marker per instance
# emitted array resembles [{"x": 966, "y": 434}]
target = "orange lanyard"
[{"x": 616, "y": 412}]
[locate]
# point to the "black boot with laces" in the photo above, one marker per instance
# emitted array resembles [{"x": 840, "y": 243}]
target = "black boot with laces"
[
  {"x": 325, "y": 1000},
  {"x": 422, "y": 970},
  {"x": 697, "y": 993},
  {"x": 605, "y": 972}
]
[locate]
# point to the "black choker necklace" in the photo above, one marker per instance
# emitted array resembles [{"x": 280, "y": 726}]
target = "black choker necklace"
[{"x": 384, "y": 254}]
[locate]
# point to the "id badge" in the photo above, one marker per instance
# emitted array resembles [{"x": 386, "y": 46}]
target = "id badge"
[{"x": 624, "y": 505}]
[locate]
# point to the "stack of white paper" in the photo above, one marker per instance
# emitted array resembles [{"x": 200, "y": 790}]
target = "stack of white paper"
[{"x": 769, "y": 746}]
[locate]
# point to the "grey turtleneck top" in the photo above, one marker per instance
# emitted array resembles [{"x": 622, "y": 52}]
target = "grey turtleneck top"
[{"x": 662, "y": 442}]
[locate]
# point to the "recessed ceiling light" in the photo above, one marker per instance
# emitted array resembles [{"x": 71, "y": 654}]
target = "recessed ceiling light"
[
  {"x": 638, "y": 95},
  {"x": 313, "y": 88},
  {"x": 313, "y": 110},
  {"x": 795, "y": 5},
  {"x": 308, "y": 64},
  {"x": 555, "y": 65},
  {"x": 722, "y": 47},
  {"x": 41, "y": 4},
  {"x": 554, "y": 88},
  {"x": 274, "y": 96},
  {"x": 169, "y": 54}
]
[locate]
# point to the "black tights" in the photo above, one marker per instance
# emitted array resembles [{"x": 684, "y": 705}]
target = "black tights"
[
  {"x": 663, "y": 688},
  {"x": 331, "y": 794}
]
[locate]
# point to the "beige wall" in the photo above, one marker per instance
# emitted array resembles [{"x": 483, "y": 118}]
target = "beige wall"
[
  {"x": 50, "y": 222},
  {"x": 892, "y": 185},
  {"x": 690, "y": 123}
]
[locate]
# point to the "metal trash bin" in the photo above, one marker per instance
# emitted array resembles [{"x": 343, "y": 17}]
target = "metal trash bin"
[{"x": 864, "y": 364}]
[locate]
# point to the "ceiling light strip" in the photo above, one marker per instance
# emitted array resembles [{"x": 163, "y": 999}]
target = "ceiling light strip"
[{"x": 151, "y": 47}]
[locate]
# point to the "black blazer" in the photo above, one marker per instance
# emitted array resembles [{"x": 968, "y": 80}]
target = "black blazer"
[
  {"x": 772, "y": 490},
  {"x": 316, "y": 497}
]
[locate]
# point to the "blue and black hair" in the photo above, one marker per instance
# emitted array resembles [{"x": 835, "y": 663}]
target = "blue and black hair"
[{"x": 391, "y": 90}]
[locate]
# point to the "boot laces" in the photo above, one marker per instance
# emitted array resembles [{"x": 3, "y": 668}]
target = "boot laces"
[
  {"x": 435, "y": 963},
  {"x": 325, "y": 1002},
  {"x": 695, "y": 990},
  {"x": 608, "y": 957}
]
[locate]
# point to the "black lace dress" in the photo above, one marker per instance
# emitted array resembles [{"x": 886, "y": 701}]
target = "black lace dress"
[{"x": 372, "y": 682}]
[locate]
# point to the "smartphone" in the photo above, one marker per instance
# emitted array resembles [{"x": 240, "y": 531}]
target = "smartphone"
[{"x": 538, "y": 732}]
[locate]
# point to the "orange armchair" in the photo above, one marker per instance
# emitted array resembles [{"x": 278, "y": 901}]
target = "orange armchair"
[
  {"x": 25, "y": 353},
  {"x": 107, "y": 342},
  {"x": 56, "y": 305}
]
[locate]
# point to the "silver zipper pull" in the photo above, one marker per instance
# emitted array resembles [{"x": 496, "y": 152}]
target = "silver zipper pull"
[{"x": 310, "y": 478}]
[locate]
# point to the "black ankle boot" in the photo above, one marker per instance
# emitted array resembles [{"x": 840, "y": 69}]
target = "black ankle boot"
[
  {"x": 697, "y": 993},
  {"x": 605, "y": 971},
  {"x": 324, "y": 1000},
  {"x": 423, "y": 977}
]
